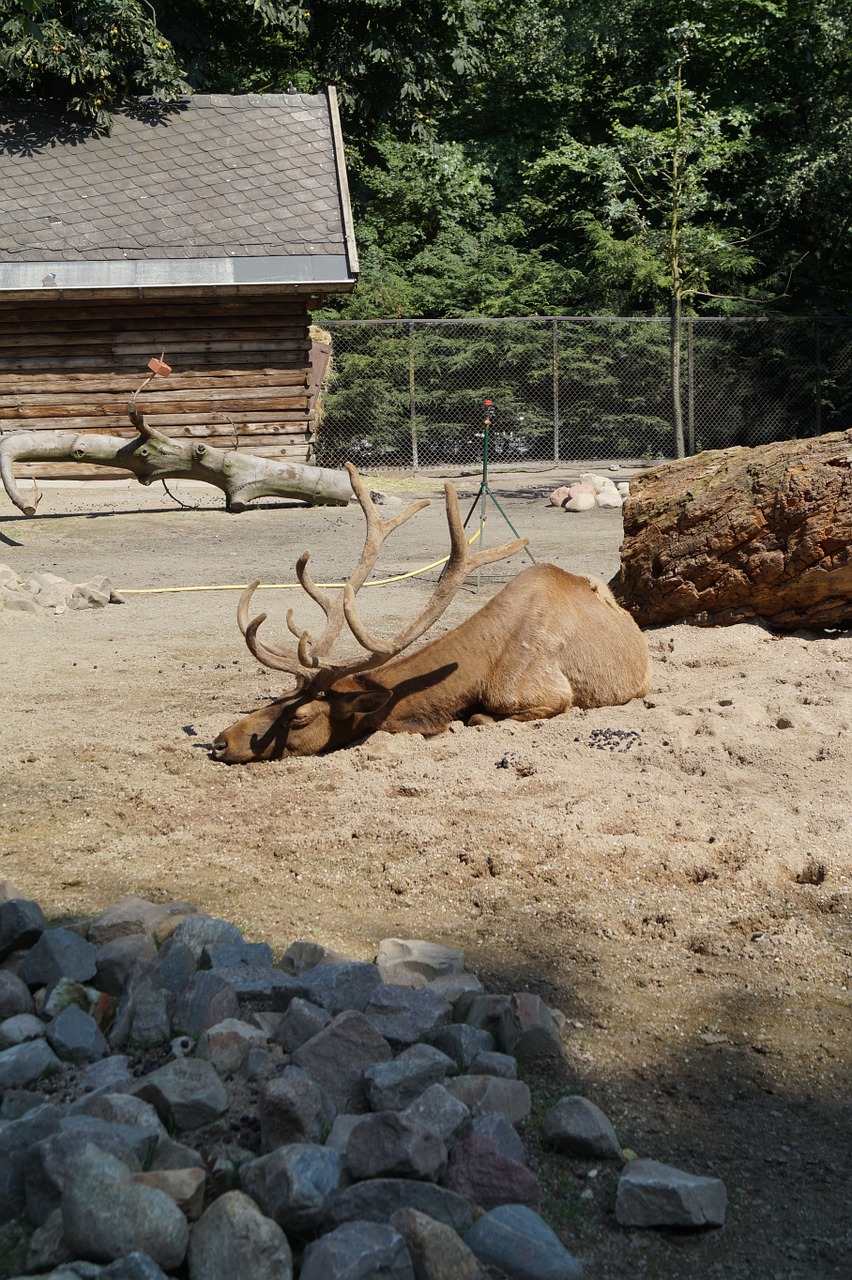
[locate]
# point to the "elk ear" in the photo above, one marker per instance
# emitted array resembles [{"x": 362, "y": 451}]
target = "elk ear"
[{"x": 362, "y": 703}]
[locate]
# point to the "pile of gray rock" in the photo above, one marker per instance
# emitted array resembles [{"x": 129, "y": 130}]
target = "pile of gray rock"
[
  {"x": 48, "y": 592},
  {"x": 177, "y": 1102}
]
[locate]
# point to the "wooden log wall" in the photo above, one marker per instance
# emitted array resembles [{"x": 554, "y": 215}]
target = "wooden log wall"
[{"x": 243, "y": 372}]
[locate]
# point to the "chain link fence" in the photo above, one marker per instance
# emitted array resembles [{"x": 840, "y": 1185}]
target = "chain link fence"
[{"x": 408, "y": 394}]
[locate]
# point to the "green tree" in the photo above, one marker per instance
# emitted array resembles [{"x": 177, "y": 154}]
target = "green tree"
[
  {"x": 85, "y": 54},
  {"x": 658, "y": 229}
]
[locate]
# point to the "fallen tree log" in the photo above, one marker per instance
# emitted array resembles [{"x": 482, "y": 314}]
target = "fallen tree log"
[
  {"x": 734, "y": 534},
  {"x": 155, "y": 456}
]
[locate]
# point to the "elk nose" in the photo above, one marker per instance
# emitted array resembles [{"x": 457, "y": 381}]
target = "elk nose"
[{"x": 219, "y": 747}]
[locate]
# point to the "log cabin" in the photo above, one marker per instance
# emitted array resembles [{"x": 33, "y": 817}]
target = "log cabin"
[{"x": 204, "y": 232}]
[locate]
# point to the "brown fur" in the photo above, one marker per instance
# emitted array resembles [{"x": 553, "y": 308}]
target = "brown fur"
[{"x": 549, "y": 641}]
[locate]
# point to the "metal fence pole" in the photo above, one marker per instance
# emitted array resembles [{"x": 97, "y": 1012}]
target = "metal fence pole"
[
  {"x": 818, "y": 380},
  {"x": 412, "y": 401},
  {"x": 554, "y": 345},
  {"x": 690, "y": 386}
]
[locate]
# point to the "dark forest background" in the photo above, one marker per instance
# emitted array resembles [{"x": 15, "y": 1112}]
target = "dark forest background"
[
  {"x": 524, "y": 157},
  {"x": 686, "y": 159}
]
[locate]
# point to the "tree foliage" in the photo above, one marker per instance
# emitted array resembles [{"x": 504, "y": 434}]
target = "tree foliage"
[
  {"x": 511, "y": 155},
  {"x": 86, "y": 54}
]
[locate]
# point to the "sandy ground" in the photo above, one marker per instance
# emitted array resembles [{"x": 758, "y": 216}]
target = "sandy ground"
[{"x": 685, "y": 900}]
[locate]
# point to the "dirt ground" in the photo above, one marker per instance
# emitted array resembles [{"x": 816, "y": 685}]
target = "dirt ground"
[{"x": 684, "y": 900}]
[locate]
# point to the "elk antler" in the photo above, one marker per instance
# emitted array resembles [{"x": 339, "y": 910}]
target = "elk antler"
[{"x": 308, "y": 660}]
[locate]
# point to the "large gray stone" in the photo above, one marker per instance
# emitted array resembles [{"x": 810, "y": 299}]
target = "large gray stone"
[
  {"x": 336, "y": 1057},
  {"x": 187, "y": 1093},
  {"x": 390, "y": 1145},
  {"x": 74, "y": 1036},
  {"x": 576, "y": 1127},
  {"x": 108, "y": 1073},
  {"x": 479, "y": 1171},
  {"x": 294, "y": 1108},
  {"x": 302, "y": 1020},
  {"x": 461, "y": 1042},
  {"x": 438, "y": 1112},
  {"x": 25, "y": 1063},
  {"x": 306, "y": 954},
  {"x": 228, "y": 1043},
  {"x": 46, "y": 1163},
  {"x": 133, "y": 1266},
  {"x": 377, "y": 1199},
  {"x": 17, "y": 1138},
  {"x": 117, "y": 959},
  {"x": 481, "y": 1009},
  {"x": 341, "y": 1131},
  {"x": 455, "y": 987},
  {"x": 528, "y": 1031},
  {"x": 482, "y": 1094},
  {"x": 294, "y": 1185},
  {"x": 186, "y": 1187},
  {"x": 47, "y": 1247},
  {"x": 519, "y": 1242},
  {"x": 254, "y": 982},
  {"x": 412, "y": 961},
  {"x": 206, "y": 1000},
  {"x": 106, "y": 1215},
  {"x": 21, "y": 924},
  {"x": 233, "y": 1239},
  {"x": 144, "y": 1014},
  {"x": 651, "y": 1194},
  {"x": 133, "y": 915},
  {"x": 390, "y": 1086},
  {"x": 58, "y": 953},
  {"x": 504, "y": 1135},
  {"x": 338, "y": 987},
  {"x": 177, "y": 965},
  {"x": 495, "y": 1064},
  {"x": 227, "y": 955},
  {"x": 435, "y": 1249},
  {"x": 358, "y": 1251},
  {"x": 122, "y": 1109},
  {"x": 404, "y": 1015},
  {"x": 19, "y": 1029},
  {"x": 15, "y": 996},
  {"x": 198, "y": 932}
]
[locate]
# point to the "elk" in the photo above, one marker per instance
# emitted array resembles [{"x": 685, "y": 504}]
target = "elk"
[{"x": 548, "y": 641}]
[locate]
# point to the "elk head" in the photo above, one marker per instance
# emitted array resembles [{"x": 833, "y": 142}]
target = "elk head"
[{"x": 332, "y": 701}]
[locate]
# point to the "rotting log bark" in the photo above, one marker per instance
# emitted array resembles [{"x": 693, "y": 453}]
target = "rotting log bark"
[
  {"x": 155, "y": 456},
  {"x": 736, "y": 534}
]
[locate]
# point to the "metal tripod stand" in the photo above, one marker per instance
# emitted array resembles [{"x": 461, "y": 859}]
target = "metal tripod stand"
[{"x": 484, "y": 492}]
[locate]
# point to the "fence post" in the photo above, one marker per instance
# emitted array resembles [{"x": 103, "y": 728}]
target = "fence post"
[
  {"x": 818, "y": 380},
  {"x": 690, "y": 386},
  {"x": 554, "y": 345},
  {"x": 412, "y": 403}
]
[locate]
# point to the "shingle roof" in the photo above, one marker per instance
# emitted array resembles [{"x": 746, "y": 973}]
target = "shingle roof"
[{"x": 221, "y": 189}]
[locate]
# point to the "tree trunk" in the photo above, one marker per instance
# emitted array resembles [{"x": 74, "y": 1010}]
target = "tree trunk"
[
  {"x": 154, "y": 456},
  {"x": 734, "y": 534},
  {"x": 675, "y": 337}
]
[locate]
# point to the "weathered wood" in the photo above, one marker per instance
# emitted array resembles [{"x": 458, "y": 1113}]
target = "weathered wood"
[
  {"x": 734, "y": 534},
  {"x": 82, "y": 335},
  {"x": 109, "y": 362},
  {"x": 14, "y": 314},
  {"x": 243, "y": 367},
  {"x": 232, "y": 398},
  {"x": 152, "y": 456},
  {"x": 123, "y": 384}
]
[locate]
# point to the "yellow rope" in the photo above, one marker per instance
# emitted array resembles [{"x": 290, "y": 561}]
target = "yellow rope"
[{"x": 289, "y": 586}]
